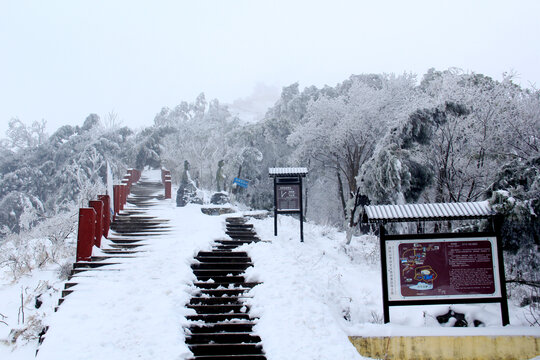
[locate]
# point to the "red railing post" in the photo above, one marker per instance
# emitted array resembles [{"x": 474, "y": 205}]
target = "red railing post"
[
  {"x": 86, "y": 234},
  {"x": 168, "y": 186},
  {"x": 125, "y": 192},
  {"x": 98, "y": 207},
  {"x": 106, "y": 214},
  {"x": 117, "y": 197},
  {"x": 121, "y": 190},
  {"x": 127, "y": 181},
  {"x": 131, "y": 173}
]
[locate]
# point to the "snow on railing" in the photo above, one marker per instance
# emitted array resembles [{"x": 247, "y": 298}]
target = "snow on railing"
[
  {"x": 167, "y": 182},
  {"x": 95, "y": 220}
]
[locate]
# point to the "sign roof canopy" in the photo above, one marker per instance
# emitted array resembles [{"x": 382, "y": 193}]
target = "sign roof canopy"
[
  {"x": 292, "y": 171},
  {"x": 428, "y": 212}
]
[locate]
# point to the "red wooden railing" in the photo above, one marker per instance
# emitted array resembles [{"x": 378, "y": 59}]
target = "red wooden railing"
[
  {"x": 95, "y": 221},
  {"x": 167, "y": 182}
]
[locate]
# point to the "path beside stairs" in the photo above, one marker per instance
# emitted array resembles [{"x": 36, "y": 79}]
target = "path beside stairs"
[{"x": 135, "y": 308}]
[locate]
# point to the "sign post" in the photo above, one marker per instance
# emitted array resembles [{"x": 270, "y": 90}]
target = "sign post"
[
  {"x": 288, "y": 192},
  {"x": 241, "y": 183},
  {"x": 440, "y": 268}
]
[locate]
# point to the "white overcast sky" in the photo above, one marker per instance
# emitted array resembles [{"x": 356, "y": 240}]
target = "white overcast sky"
[{"x": 62, "y": 60}]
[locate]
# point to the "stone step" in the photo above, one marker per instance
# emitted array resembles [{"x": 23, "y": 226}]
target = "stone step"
[
  {"x": 236, "y": 220},
  {"x": 212, "y": 318},
  {"x": 220, "y": 300},
  {"x": 221, "y": 265},
  {"x": 241, "y": 326},
  {"x": 69, "y": 285},
  {"x": 219, "y": 309},
  {"x": 105, "y": 258},
  {"x": 222, "y": 254},
  {"x": 223, "y": 338},
  {"x": 126, "y": 241},
  {"x": 221, "y": 292},
  {"x": 239, "y": 226},
  {"x": 134, "y": 232},
  {"x": 126, "y": 213},
  {"x": 217, "y": 272},
  {"x": 240, "y": 232},
  {"x": 230, "y": 357},
  {"x": 138, "y": 220},
  {"x": 131, "y": 221},
  {"x": 139, "y": 228},
  {"x": 81, "y": 270},
  {"x": 126, "y": 246},
  {"x": 225, "y": 349},
  {"x": 226, "y": 247},
  {"x": 225, "y": 286},
  {"x": 119, "y": 251},
  {"x": 91, "y": 265},
  {"x": 237, "y": 242},
  {"x": 224, "y": 259},
  {"x": 234, "y": 279}
]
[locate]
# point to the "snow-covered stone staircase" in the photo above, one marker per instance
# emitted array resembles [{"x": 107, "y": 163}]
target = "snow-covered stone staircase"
[
  {"x": 125, "y": 240},
  {"x": 222, "y": 327},
  {"x": 127, "y": 237}
]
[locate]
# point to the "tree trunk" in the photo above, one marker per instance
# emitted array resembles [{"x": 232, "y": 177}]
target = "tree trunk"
[
  {"x": 341, "y": 195},
  {"x": 348, "y": 234}
]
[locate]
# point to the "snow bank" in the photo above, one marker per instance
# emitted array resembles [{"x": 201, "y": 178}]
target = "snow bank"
[
  {"x": 310, "y": 291},
  {"x": 317, "y": 293},
  {"x": 312, "y": 296},
  {"x": 137, "y": 312}
]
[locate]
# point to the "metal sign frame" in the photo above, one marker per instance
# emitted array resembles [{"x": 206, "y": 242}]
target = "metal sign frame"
[
  {"x": 295, "y": 184},
  {"x": 499, "y": 295},
  {"x": 288, "y": 194}
]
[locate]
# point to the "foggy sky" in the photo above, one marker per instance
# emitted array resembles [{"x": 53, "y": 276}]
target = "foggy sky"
[{"x": 61, "y": 60}]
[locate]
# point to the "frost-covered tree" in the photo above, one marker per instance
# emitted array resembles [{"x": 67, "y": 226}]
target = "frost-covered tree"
[
  {"x": 60, "y": 172},
  {"x": 483, "y": 126},
  {"x": 341, "y": 131},
  {"x": 21, "y": 136},
  {"x": 197, "y": 132}
]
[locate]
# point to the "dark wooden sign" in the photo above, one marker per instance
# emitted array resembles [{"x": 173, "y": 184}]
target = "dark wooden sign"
[
  {"x": 442, "y": 268},
  {"x": 288, "y": 197},
  {"x": 288, "y": 194}
]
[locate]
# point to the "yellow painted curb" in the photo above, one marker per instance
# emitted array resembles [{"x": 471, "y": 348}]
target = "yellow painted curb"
[{"x": 448, "y": 347}]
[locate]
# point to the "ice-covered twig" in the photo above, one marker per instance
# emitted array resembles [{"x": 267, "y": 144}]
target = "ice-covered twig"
[{"x": 524, "y": 282}]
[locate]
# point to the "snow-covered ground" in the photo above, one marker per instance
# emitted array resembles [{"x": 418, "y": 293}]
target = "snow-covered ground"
[{"x": 312, "y": 297}]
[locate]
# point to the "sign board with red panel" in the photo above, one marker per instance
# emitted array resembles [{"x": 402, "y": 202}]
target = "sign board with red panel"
[
  {"x": 442, "y": 268},
  {"x": 451, "y": 268}
]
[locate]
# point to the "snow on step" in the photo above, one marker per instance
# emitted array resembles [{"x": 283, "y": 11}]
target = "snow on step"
[
  {"x": 222, "y": 327},
  {"x": 135, "y": 312}
]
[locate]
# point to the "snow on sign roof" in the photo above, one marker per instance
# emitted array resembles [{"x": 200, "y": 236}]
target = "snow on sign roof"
[
  {"x": 296, "y": 171},
  {"x": 438, "y": 211}
]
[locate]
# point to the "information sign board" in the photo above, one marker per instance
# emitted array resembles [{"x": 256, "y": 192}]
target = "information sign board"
[
  {"x": 288, "y": 197},
  {"x": 442, "y": 268},
  {"x": 241, "y": 182}
]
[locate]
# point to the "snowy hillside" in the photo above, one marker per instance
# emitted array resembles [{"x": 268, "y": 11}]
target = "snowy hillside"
[{"x": 312, "y": 296}]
